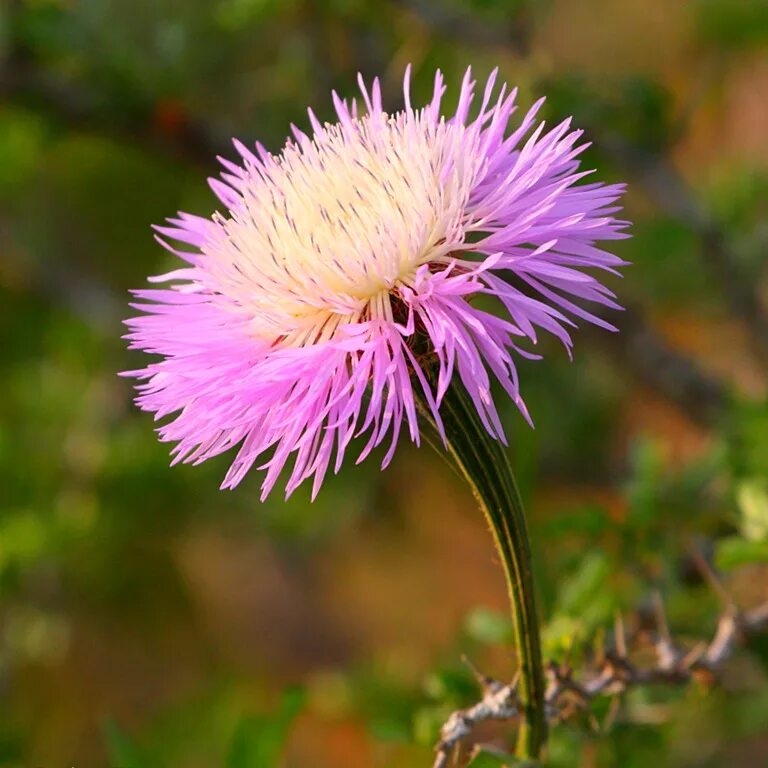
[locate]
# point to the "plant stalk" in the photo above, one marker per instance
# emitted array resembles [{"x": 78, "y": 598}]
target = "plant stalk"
[{"x": 483, "y": 462}]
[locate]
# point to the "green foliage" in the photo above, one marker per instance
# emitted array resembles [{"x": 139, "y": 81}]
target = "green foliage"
[
  {"x": 665, "y": 262},
  {"x": 747, "y": 440},
  {"x": 488, "y": 627},
  {"x": 751, "y": 546},
  {"x": 258, "y": 741},
  {"x": 583, "y": 605},
  {"x": 122, "y": 750},
  {"x": 752, "y": 497},
  {"x": 734, "y": 551},
  {"x": 146, "y": 595},
  {"x": 636, "y": 108},
  {"x": 733, "y": 24},
  {"x": 235, "y": 14},
  {"x": 22, "y": 135}
]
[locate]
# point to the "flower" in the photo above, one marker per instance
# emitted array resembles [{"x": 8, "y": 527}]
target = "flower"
[{"x": 300, "y": 318}]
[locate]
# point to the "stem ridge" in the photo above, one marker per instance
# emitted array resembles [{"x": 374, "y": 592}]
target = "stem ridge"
[{"x": 483, "y": 462}]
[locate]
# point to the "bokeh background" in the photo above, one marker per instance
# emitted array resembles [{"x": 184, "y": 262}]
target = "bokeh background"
[{"x": 148, "y": 619}]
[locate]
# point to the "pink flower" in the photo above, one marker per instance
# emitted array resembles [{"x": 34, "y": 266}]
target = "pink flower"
[{"x": 295, "y": 323}]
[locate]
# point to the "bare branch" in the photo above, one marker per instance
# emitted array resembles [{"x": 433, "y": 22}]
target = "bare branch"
[{"x": 466, "y": 732}]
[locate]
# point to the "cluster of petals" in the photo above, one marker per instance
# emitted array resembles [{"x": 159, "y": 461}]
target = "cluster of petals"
[{"x": 299, "y": 318}]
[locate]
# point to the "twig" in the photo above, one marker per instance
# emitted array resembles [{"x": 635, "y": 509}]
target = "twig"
[{"x": 466, "y": 732}]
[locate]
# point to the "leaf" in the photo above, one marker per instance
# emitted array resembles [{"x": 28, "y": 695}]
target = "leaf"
[
  {"x": 454, "y": 684},
  {"x": 122, "y": 750},
  {"x": 489, "y": 627},
  {"x": 258, "y": 741},
  {"x": 427, "y": 722},
  {"x": 560, "y": 635},
  {"x": 578, "y": 594},
  {"x": 643, "y": 490},
  {"x": 752, "y": 498},
  {"x": 734, "y": 551},
  {"x": 21, "y": 147},
  {"x": 734, "y": 24}
]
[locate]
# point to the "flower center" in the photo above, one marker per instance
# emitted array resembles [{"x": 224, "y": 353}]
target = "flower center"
[{"x": 322, "y": 233}]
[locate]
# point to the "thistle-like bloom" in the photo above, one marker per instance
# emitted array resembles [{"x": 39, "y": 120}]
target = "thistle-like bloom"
[{"x": 309, "y": 309}]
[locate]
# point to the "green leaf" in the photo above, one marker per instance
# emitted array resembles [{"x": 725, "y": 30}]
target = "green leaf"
[
  {"x": 752, "y": 497},
  {"x": 734, "y": 551},
  {"x": 489, "y": 627},
  {"x": 560, "y": 635},
  {"x": 21, "y": 146},
  {"x": 122, "y": 750},
  {"x": 452, "y": 684},
  {"x": 733, "y": 23},
  {"x": 578, "y": 594},
  {"x": 643, "y": 490},
  {"x": 427, "y": 722},
  {"x": 258, "y": 741}
]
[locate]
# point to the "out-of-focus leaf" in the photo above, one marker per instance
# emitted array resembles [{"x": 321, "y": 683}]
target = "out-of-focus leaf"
[
  {"x": 584, "y": 602},
  {"x": 259, "y": 741},
  {"x": 488, "y": 627},
  {"x": 752, "y": 497},
  {"x": 123, "y": 751},
  {"x": 21, "y": 144},
  {"x": 580, "y": 590},
  {"x": 733, "y": 23},
  {"x": 734, "y": 551},
  {"x": 389, "y": 728},
  {"x": 748, "y": 440},
  {"x": 487, "y": 760},
  {"x": 427, "y": 722},
  {"x": 24, "y": 537},
  {"x": 643, "y": 491},
  {"x": 235, "y": 14},
  {"x": 587, "y": 519},
  {"x": 667, "y": 263},
  {"x": 638, "y": 108},
  {"x": 452, "y": 684},
  {"x": 560, "y": 634}
]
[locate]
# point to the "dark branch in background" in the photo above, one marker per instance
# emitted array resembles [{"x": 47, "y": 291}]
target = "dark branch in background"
[
  {"x": 664, "y": 184},
  {"x": 453, "y": 24},
  {"x": 485, "y": 725},
  {"x": 161, "y": 127},
  {"x": 641, "y": 351}
]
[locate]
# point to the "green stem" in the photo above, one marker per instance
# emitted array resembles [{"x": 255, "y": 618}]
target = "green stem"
[{"x": 484, "y": 463}]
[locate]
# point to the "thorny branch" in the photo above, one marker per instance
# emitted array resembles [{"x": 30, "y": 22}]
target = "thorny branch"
[{"x": 480, "y": 727}]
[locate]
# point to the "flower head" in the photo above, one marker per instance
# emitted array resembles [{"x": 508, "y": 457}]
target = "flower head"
[{"x": 295, "y": 324}]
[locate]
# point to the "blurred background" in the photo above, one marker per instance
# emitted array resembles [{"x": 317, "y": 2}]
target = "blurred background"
[{"x": 148, "y": 619}]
